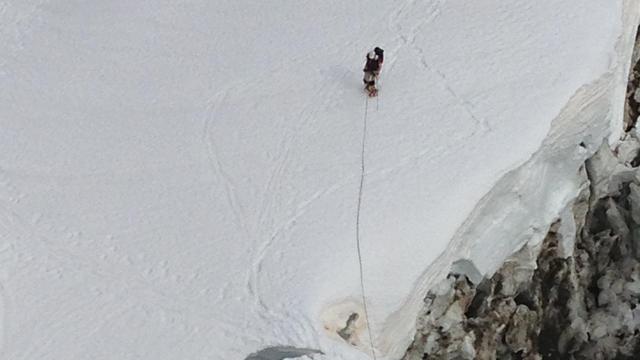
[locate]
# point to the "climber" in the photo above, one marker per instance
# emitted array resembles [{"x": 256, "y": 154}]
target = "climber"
[{"x": 372, "y": 69}]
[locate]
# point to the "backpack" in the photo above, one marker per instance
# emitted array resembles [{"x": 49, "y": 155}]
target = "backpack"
[{"x": 372, "y": 64}]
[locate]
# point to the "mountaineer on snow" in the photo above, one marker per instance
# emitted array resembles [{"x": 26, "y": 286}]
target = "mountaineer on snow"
[{"x": 372, "y": 68}]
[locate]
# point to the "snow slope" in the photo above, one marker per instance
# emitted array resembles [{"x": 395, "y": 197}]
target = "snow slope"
[{"x": 179, "y": 179}]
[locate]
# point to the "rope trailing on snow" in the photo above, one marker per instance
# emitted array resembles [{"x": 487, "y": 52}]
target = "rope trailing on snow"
[{"x": 362, "y": 171}]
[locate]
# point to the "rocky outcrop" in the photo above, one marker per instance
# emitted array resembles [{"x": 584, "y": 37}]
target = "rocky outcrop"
[
  {"x": 281, "y": 353},
  {"x": 549, "y": 306},
  {"x": 632, "y": 108},
  {"x": 575, "y": 296}
]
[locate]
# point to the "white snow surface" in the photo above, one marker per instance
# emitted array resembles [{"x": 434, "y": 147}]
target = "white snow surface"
[{"x": 179, "y": 179}]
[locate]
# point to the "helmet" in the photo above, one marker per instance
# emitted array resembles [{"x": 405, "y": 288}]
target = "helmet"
[
  {"x": 378, "y": 51},
  {"x": 371, "y": 55}
]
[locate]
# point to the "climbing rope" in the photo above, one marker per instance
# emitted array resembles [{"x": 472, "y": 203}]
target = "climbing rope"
[{"x": 364, "y": 298}]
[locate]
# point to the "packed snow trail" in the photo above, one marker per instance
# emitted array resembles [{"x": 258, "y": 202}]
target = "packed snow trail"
[{"x": 177, "y": 177}]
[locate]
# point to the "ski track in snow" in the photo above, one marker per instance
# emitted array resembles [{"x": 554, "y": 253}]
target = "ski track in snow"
[
  {"x": 408, "y": 38},
  {"x": 232, "y": 198},
  {"x": 307, "y": 115},
  {"x": 218, "y": 169}
]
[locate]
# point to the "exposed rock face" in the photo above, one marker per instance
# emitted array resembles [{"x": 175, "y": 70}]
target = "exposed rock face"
[
  {"x": 633, "y": 89},
  {"x": 554, "y": 302},
  {"x": 583, "y": 306},
  {"x": 281, "y": 352}
]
